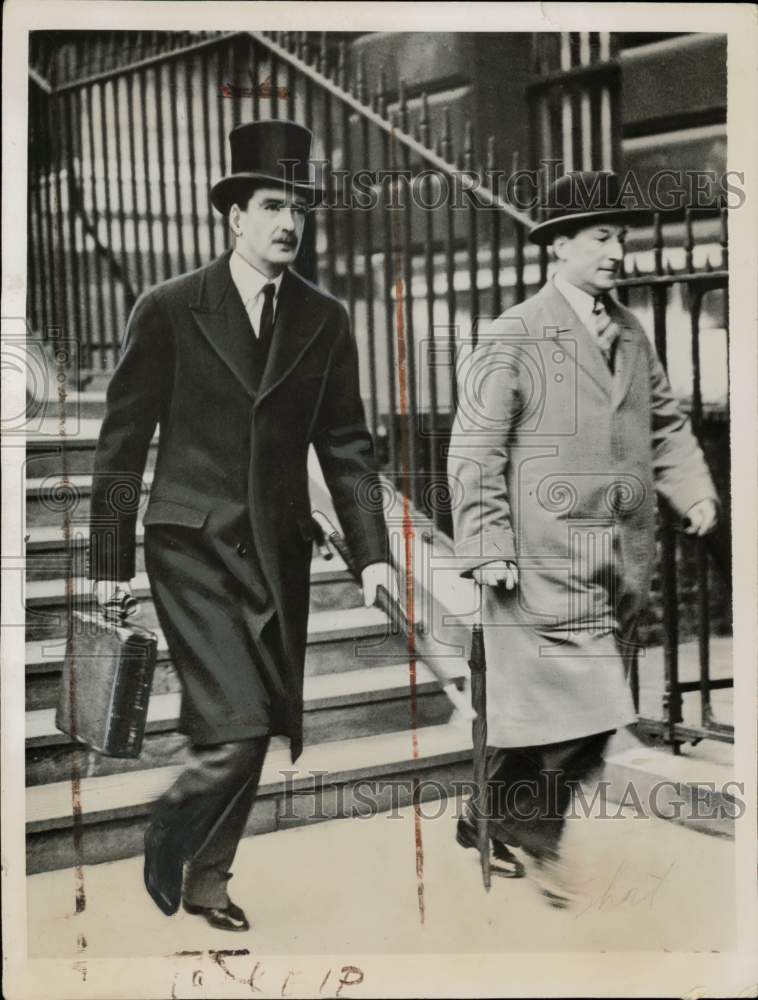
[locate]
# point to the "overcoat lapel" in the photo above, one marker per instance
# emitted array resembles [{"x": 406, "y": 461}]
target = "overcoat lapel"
[
  {"x": 300, "y": 318},
  {"x": 568, "y": 324},
  {"x": 627, "y": 349},
  {"x": 222, "y": 318}
]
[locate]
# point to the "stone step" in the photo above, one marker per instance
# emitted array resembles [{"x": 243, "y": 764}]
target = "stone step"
[
  {"x": 76, "y": 441},
  {"x": 321, "y": 785},
  {"x": 47, "y": 600},
  {"x": 352, "y": 704},
  {"x": 49, "y": 497},
  {"x": 338, "y": 640},
  {"x": 86, "y": 404}
]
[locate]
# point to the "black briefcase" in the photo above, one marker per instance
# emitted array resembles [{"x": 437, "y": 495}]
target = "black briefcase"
[{"x": 105, "y": 687}]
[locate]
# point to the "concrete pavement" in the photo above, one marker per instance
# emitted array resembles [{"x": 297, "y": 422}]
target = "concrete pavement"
[{"x": 350, "y": 886}]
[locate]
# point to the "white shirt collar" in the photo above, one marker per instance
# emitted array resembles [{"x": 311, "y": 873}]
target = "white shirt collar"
[
  {"x": 580, "y": 301},
  {"x": 250, "y": 281}
]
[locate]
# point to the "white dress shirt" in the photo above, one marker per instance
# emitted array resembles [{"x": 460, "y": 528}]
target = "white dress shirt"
[
  {"x": 250, "y": 282},
  {"x": 601, "y": 325},
  {"x": 580, "y": 301}
]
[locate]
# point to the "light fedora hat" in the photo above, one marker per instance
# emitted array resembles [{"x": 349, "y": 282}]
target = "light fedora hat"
[
  {"x": 275, "y": 151},
  {"x": 584, "y": 197}
]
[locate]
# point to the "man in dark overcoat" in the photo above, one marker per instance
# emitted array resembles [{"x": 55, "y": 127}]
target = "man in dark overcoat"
[
  {"x": 242, "y": 365},
  {"x": 566, "y": 430}
]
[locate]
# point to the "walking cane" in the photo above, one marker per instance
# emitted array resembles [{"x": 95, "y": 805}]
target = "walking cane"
[
  {"x": 427, "y": 649},
  {"x": 478, "y": 667}
]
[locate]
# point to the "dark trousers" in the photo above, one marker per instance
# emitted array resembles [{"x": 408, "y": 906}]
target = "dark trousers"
[
  {"x": 205, "y": 811},
  {"x": 530, "y": 789}
]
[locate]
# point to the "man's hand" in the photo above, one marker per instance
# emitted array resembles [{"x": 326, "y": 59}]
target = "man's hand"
[
  {"x": 114, "y": 598},
  {"x": 701, "y": 518},
  {"x": 492, "y": 574},
  {"x": 375, "y": 575}
]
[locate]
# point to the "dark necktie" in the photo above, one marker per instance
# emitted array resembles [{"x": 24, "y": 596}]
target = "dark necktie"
[
  {"x": 605, "y": 330},
  {"x": 266, "y": 332}
]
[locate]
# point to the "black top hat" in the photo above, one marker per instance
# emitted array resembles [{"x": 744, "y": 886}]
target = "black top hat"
[
  {"x": 584, "y": 197},
  {"x": 276, "y": 151}
]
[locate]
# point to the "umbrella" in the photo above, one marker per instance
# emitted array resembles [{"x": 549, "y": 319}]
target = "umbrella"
[
  {"x": 478, "y": 667},
  {"x": 427, "y": 648}
]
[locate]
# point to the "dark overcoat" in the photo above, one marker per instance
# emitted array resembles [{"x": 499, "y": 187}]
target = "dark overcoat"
[
  {"x": 556, "y": 463},
  {"x": 228, "y": 532}
]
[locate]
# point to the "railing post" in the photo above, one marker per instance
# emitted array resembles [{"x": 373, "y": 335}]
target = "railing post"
[{"x": 387, "y": 163}]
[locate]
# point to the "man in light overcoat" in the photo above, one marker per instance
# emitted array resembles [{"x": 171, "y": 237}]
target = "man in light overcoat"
[
  {"x": 566, "y": 431},
  {"x": 242, "y": 364}
]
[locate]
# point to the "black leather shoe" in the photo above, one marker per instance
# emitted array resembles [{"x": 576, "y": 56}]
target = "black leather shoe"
[
  {"x": 502, "y": 862},
  {"x": 163, "y": 869},
  {"x": 227, "y": 918}
]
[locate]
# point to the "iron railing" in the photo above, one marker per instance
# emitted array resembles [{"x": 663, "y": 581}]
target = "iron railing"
[{"x": 123, "y": 150}]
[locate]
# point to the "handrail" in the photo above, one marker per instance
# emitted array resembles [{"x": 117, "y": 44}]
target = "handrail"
[
  {"x": 132, "y": 67},
  {"x": 404, "y": 138}
]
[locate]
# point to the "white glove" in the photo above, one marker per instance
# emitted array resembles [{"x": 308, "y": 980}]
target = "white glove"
[
  {"x": 492, "y": 574},
  {"x": 701, "y": 518},
  {"x": 375, "y": 575}
]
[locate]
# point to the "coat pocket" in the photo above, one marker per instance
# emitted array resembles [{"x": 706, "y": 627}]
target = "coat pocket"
[{"x": 171, "y": 512}]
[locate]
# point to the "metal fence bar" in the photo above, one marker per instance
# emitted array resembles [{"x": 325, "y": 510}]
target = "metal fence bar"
[
  {"x": 387, "y": 162},
  {"x": 135, "y": 214},
  {"x": 408, "y": 374},
  {"x": 101, "y": 338},
  {"x": 145, "y": 134},
  {"x": 204, "y": 97},
  {"x": 347, "y": 216},
  {"x": 37, "y": 243},
  {"x": 326, "y": 111},
  {"x": 108, "y": 214},
  {"x": 701, "y": 553},
  {"x": 158, "y": 90},
  {"x": 116, "y": 119},
  {"x": 495, "y": 234},
  {"x": 447, "y": 153},
  {"x": 291, "y": 83},
  {"x": 672, "y": 699},
  {"x": 175, "y": 155},
  {"x": 368, "y": 268},
  {"x": 473, "y": 240},
  {"x": 426, "y": 193},
  {"x": 194, "y": 215},
  {"x": 73, "y": 251},
  {"x": 274, "y": 78},
  {"x": 58, "y": 244}
]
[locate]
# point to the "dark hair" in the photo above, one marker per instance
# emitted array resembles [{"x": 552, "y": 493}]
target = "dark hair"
[{"x": 243, "y": 193}]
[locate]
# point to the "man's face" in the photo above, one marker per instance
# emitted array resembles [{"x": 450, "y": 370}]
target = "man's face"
[
  {"x": 591, "y": 258},
  {"x": 269, "y": 229}
]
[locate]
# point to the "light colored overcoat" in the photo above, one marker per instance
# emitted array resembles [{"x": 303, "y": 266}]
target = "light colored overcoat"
[{"x": 555, "y": 462}]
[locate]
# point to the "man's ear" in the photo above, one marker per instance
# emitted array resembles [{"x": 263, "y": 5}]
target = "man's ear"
[
  {"x": 234, "y": 220},
  {"x": 558, "y": 245}
]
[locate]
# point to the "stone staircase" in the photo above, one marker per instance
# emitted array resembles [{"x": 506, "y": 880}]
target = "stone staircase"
[{"x": 360, "y": 725}]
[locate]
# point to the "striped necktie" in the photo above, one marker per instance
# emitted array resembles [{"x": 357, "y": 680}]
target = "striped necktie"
[{"x": 605, "y": 330}]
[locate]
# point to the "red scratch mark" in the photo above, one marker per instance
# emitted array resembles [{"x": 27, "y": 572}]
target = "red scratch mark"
[{"x": 408, "y": 539}]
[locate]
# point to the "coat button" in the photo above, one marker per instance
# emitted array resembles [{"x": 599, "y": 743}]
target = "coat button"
[{"x": 242, "y": 549}]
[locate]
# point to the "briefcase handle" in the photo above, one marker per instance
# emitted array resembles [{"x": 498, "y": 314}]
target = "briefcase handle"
[{"x": 119, "y": 607}]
